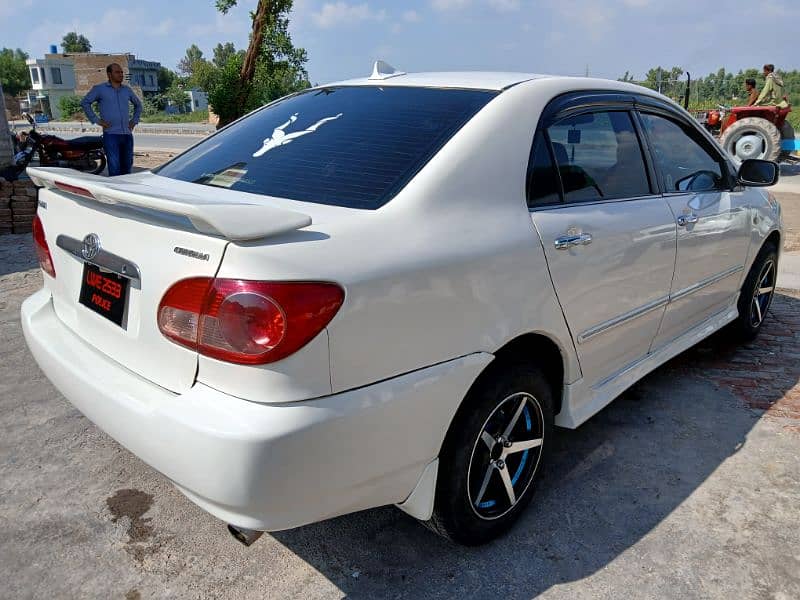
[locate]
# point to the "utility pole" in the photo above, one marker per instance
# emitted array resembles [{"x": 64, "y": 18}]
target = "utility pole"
[{"x": 6, "y": 148}]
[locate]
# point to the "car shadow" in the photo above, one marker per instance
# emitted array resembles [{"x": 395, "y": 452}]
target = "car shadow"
[{"x": 610, "y": 482}]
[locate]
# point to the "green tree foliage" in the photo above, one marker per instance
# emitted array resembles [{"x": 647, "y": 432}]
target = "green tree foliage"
[
  {"x": 193, "y": 57},
  {"x": 69, "y": 107},
  {"x": 14, "y": 74},
  {"x": 72, "y": 42},
  {"x": 222, "y": 53},
  {"x": 272, "y": 67},
  {"x": 166, "y": 78},
  {"x": 176, "y": 94}
]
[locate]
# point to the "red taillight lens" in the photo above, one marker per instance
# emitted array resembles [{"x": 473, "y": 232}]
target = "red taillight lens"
[
  {"x": 42, "y": 250},
  {"x": 247, "y": 322}
]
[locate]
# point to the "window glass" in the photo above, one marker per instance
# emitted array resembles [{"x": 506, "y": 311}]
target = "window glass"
[
  {"x": 44, "y": 75},
  {"x": 346, "y": 146},
  {"x": 35, "y": 75},
  {"x": 543, "y": 186},
  {"x": 684, "y": 164},
  {"x": 56, "y": 73},
  {"x": 599, "y": 157}
]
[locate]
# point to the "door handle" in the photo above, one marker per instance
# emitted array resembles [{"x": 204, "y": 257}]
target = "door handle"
[
  {"x": 568, "y": 241},
  {"x": 689, "y": 219}
]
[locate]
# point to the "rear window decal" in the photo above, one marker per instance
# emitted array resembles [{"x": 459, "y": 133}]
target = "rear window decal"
[{"x": 280, "y": 137}]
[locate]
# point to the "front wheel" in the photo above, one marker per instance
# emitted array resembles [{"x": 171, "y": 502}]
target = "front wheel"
[
  {"x": 752, "y": 137},
  {"x": 756, "y": 294},
  {"x": 97, "y": 162},
  {"x": 493, "y": 454}
]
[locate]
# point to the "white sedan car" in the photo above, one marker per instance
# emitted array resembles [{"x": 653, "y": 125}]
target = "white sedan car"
[{"x": 391, "y": 290}]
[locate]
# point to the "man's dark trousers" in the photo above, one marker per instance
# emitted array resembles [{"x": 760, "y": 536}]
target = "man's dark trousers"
[{"x": 119, "y": 152}]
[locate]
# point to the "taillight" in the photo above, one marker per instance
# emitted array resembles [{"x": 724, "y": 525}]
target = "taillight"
[
  {"x": 247, "y": 322},
  {"x": 42, "y": 250}
]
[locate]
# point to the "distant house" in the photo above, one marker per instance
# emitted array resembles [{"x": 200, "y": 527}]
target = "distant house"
[
  {"x": 75, "y": 73},
  {"x": 51, "y": 78},
  {"x": 198, "y": 100}
]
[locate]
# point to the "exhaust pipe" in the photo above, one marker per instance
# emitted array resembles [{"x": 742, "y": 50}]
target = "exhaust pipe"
[{"x": 246, "y": 536}]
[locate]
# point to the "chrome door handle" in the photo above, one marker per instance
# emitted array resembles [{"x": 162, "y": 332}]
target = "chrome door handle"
[
  {"x": 685, "y": 220},
  {"x": 568, "y": 241}
]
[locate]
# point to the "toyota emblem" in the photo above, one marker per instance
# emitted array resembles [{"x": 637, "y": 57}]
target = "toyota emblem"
[{"x": 91, "y": 246}]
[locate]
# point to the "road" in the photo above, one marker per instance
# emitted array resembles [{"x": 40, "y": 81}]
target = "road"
[{"x": 159, "y": 142}]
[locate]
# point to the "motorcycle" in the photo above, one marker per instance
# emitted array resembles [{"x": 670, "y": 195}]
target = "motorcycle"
[{"x": 84, "y": 153}]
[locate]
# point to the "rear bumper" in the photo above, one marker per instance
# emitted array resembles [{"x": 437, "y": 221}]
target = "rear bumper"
[{"x": 261, "y": 466}]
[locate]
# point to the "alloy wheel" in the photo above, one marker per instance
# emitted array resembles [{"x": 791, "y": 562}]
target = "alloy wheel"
[
  {"x": 505, "y": 456},
  {"x": 762, "y": 295}
]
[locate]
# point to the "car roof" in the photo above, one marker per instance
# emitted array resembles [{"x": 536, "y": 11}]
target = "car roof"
[{"x": 477, "y": 80}]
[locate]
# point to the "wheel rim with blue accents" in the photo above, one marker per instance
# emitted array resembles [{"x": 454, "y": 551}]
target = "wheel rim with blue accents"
[{"x": 505, "y": 456}]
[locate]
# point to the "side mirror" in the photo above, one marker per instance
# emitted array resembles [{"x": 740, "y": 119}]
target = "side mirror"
[{"x": 758, "y": 173}]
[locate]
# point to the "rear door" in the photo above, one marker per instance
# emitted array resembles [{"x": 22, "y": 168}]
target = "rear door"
[
  {"x": 608, "y": 237},
  {"x": 156, "y": 250},
  {"x": 712, "y": 221}
]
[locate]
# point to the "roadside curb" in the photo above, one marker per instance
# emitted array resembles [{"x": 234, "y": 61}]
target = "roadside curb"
[
  {"x": 789, "y": 271},
  {"x": 142, "y": 128}
]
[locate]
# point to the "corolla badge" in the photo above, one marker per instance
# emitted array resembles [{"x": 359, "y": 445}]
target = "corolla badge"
[
  {"x": 91, "y": 246},
  {"x": 279, "y": 136}
]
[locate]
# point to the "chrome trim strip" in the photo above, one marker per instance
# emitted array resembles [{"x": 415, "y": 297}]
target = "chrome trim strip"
[
  {"x": 638, "y": 312},
  {"x": 624, "y": 318},
  {"x": 104, "y": 259},
  {"x": 705, "y": 283}
]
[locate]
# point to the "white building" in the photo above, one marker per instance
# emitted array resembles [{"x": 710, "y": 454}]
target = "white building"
[
  {"x": 51, "y": 77},
  {"x": 198, "y": 100}
]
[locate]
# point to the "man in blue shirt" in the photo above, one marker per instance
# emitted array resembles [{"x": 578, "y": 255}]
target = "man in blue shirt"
[{"x": 113, "y": 98}]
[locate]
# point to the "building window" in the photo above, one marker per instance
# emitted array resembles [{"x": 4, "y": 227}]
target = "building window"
[
  {"x": 56, "y": 73},
  {"x": 35, "y": 75},
  {"x": 44, "y": 76},
  {"x": 151, "y": 80}
]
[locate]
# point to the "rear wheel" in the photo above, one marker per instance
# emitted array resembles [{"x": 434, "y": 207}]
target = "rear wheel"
[
  {"x": 493, "y": 455},
  {"x": 756, "y": 293},
  {"x": 97, "y": 163},
  {"x": 752, "y": 138}
]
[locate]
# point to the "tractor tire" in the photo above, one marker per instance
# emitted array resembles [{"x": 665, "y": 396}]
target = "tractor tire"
[{"x": 752, "y": 138}]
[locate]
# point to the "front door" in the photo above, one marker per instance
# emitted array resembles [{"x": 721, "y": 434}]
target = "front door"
[
  {"x": 609, "y": 239},
  {"x": 713, "y": 225}
]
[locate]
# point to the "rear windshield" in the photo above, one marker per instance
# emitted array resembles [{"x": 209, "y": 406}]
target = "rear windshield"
[{"x": 347, "y": 146}]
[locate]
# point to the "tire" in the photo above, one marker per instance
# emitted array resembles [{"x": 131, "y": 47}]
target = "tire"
[
  {"x": 100, "y": 164},
  {"x": 753, "y": 306},
  {"x": 787, "y": 131},
  {"x": 752, "y": 138},
  {"x": 473, "y": 505}
]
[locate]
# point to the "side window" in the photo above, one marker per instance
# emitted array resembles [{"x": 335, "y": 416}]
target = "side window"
[
  {"x": 684, "y": 164},
  {"x": 542, "y": 185},
  {"x": 599, "y": 157}
]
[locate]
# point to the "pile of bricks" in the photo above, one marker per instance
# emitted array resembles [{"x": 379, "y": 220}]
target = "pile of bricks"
[{"x": 17, "y": 206}]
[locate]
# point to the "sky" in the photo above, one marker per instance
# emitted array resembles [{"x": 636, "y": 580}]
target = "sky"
[{"x": 343, "y": 37}]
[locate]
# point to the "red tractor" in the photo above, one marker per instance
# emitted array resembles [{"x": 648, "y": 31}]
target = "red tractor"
[{"x": 751, "y": 131}]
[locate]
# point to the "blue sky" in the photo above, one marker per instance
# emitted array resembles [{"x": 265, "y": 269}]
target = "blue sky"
[{"x": 343, "y": 37}]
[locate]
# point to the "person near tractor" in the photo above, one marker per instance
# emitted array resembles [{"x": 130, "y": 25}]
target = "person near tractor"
[
  {"x": 752, "y": 92},
  {"x": 773, "y": 93},
  {"x": 113, "y": 98}
]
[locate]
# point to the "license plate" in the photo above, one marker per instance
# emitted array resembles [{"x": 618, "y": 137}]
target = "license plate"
[{"x": 104, "y": 293}]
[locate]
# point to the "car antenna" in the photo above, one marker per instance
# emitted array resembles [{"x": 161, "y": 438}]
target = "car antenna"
[{"x": 383, "y": 70}]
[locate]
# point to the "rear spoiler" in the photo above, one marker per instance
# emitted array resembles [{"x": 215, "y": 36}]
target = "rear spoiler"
[{"x": 236, "y": 221}]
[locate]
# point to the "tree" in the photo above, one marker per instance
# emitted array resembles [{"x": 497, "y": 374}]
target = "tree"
[
  {"x": 177, "y": 96},
  {"x": 69, "y": 107},
  {"x": 166, "y": 78},
  {"x": 72, "y": 42},
  {"x": 189, "y": 62},
  {"x": 14, "y": 74},
  {"x": 271, "y": 67},
  {"x": 222, "y": 53}
]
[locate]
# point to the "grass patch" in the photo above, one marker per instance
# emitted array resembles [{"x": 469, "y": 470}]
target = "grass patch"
[{"x": 199, "y": 116}]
